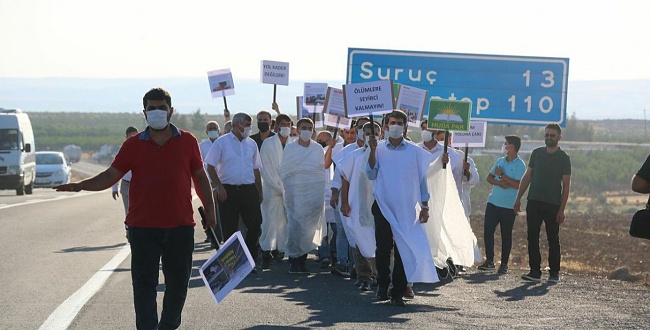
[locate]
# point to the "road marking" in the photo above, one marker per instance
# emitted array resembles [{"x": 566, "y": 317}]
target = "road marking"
[
  {"x": 42, "y": 200},
  {"x": 68, "y": 310}
]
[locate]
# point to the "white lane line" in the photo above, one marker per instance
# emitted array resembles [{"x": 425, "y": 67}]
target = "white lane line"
[
  {"x": 42, "y": 200},
  {"x": 68, "y": 310}
]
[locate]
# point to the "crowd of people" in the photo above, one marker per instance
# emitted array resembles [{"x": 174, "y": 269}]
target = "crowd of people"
[{"x": 372, "y": 204}]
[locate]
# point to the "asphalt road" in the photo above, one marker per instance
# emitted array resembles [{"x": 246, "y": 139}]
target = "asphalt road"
[{"x": 65, "y": 263}]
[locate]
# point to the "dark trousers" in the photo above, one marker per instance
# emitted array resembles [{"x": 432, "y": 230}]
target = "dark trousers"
[
  {"x": 495, "y": 215},
  {"x": 242, "y": 201},
  {"x": 536, "y": 213},
  {"x": 386, "y": 244},
  {"x": 148, "y": 247}
]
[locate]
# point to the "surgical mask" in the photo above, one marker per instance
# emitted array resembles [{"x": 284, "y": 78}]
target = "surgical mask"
[
  {"x": 157, "y": 119},
  {"x": 291, "y": 139},
  {"x": 503, "y": 148},
  {"x": 263, "y": 127},
  {"x": 305, "y": 135},
  {"x": 367, "y": 139},
  {"x": 426, "y": 136},
  {"x": 247, "y": 132},
  {"x": 395, "y": 131},
  {"x": 213, "y": 134},
  {"x": 360, "y": 136},
  {"x": 285, "y": 131}
]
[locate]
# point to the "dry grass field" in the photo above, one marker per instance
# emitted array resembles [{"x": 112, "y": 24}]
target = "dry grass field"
[{"x": 592, "y": 244}]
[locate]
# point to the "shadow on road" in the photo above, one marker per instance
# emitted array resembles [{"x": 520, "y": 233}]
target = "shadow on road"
[
  {"x": 528, "y": 289},
  {"x": 92, "y": 248}
]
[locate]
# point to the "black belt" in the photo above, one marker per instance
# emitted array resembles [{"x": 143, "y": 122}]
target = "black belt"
[{"x": 238, "y": 186}]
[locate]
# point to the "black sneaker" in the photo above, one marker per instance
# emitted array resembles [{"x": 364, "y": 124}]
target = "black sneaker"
[
  {"x": 303, "y": 269},
  {"x": 325, "y": 263},
  {"x": 554, "y": 278},
  {"x": 397, "y": 301},
  {"x": 503, "y": 269},
  {"x": 341, "y": 270},
  {"x": 365, "y": 286},
  {"x": 451, "y": 268},
  {"x": 531, "y": 277},
  {"x": 487, "y": 265},
  {"x": 294, "y": 269},
  {"x": 266, "y": 261}
]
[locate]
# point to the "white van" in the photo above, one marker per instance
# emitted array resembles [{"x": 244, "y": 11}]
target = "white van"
[{"x": 17, "y": 152}]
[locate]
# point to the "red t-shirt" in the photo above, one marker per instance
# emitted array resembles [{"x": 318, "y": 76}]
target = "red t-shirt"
[{"x": 160, "y": 193}]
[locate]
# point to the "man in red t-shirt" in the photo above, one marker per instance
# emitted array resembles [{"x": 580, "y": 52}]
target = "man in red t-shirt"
[{"x": 164, "y": 161}]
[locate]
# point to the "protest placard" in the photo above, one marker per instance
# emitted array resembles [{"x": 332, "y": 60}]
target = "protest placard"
[
  {"x": 364, "y": 99},
  {"x": 412, "y": 101},
  {"x": 474, "y": 138},
  {"x": 227, "y": 267},
  {"x": 276, "y": 73},
  {"x": 303, "y": 112},
  {"x": 221, "y": 83},
  {"x": 334, "y": 109},
  {"x": 449, "y": 115}
]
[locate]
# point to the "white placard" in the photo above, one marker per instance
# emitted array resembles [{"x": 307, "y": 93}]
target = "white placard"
[
  {"x": 226, "y": 268},
  {"x": 334, "y": 109},
  {"x": 475, "y": 138},
  {"x": 412, "y": 101},
  {"x": 363, "y": 99},
  {"x": 302, "y": 112},
  {"x": 273, "y": 72},
  {"x": 314, "y": 97},
  {"x": 221, "y": 83}
]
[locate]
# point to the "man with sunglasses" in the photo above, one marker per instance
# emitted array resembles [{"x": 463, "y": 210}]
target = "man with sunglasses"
[{"x": 549, "y": 177}]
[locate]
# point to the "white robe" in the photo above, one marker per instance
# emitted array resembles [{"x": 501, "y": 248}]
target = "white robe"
[
  {"x": 303, "y": 177},
  {"x": 397, "y": 192},
  {"x": 274, "y": 217},
  {"x": 360, "y": 224},
  {"x": 449, "y": 233}
]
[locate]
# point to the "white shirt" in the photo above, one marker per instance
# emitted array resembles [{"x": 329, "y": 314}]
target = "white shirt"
[
  {"x": 234, "y": 160},
  {"x": 204, "y": 147}
]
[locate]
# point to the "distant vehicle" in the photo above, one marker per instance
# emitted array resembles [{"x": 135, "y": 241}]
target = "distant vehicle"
[
  {"x": 105, "y": 155},
  {"x": 17, "y": 151},
  {"x": 72, "y": 153},
  {"x": 51, "y": 169}
]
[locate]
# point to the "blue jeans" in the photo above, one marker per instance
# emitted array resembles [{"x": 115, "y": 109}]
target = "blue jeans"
[
  {"x": 326, "y": 250},
  {"x": 148, "y": 246},
  {"x": 342, "y": 244}
]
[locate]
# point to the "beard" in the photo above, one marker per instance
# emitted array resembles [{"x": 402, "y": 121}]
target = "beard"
[{"x": 550, "y": 143}]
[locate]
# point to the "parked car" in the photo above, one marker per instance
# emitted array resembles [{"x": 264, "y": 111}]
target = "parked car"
[{"x": 51, "y": 169}]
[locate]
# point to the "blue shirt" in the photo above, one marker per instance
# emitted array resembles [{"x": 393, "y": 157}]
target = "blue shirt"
[
  {"x": 372, "y": 172},
  {"x": 515, "y": 170}
]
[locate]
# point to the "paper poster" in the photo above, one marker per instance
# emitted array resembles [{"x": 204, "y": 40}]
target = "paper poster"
[
  {"x": 227, "y": 267},
  {"x": 221, "y": 83},
  {"x": 475, "y": 138},
  {"x": 449, "y": 115},
  {"x": 314, "y": 97},
  {"x": 412, "y": 101},
  {"x": 302, "y": 112},
  {"x": 363, "y": 99},
  {"x": 334, "y": 109},
  {"x": 276, "y": 73}
]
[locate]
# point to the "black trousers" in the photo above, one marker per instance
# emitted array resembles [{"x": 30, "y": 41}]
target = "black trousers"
[
  {"x": 536, "y": 214},
  {"x": 494, "y": 216},
  {"x": 386, "y": 244},
  {"x": 150, "y": 246},
  {"x": 242, "y": 201}
]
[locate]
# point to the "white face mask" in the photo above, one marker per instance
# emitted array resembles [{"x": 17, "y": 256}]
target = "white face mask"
[
  {"x": 503, "y": 148},
  {"x": 426, "y": 136},
  {"x": 305, "y": 135},
  {"x": 157, "y": 119},
  {"x": 213, "y": 134},
  {"x": 360, "y": 136},
  {"x": 285, "y": 131},
  {"x": 247, "y": 132},
  {"x": 367, "y": 139},
  {"x": 291, "y": 139},
  {"x": 395, "y": 131}
]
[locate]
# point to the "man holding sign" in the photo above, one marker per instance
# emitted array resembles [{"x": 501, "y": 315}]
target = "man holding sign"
[{"x": 399, "y": 169}]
